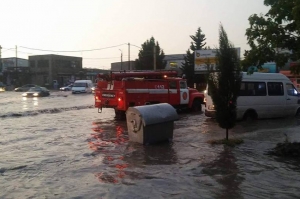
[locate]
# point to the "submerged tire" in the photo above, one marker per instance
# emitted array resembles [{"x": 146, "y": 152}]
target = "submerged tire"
[
  {"x": 120, "y": 114},
  {"x": 197, "y": 105},
  {"x": 250, "y": 116},
  {"x": 298, "y": 114}
]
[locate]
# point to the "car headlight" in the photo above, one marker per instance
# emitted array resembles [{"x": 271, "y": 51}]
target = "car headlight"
[
  {"x": 35, "y": 94},
  {"x": 24, "y": 94}
]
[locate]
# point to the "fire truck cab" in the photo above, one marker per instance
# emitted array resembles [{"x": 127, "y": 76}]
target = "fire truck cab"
[{"x": 120, "y": 90}]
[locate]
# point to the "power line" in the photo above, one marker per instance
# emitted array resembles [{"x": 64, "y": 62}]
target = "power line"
[
  {"x": 72, "y": 50},
  {"x": 134, "y": 45},
  {"x": 103, "y": 58}
]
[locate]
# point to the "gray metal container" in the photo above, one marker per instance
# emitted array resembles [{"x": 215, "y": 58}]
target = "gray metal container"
[{"x": 151, "y": 124}]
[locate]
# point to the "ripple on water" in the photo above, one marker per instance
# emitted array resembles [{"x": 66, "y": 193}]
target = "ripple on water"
[{"x": 71, "y": 151}]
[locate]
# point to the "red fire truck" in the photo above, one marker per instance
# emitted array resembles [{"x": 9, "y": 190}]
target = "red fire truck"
[{"x": 120, "y": 90}]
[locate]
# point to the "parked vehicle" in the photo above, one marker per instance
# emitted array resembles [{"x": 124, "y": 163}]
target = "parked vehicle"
[
  {"x": 37, "y": 92},
  {"x": 2, "y": 87},
  {"x": 121, "y": 90},
  {"x": 82, "y": 86},
  {"x": 66, "y": 88},
  {"x": 262, "y": 95},
  {"x": 25, "y": 87},
  {"x": 93, "y": 88}
]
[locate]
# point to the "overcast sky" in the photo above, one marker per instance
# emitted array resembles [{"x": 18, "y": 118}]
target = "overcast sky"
[{"x": 109, "y": 25}]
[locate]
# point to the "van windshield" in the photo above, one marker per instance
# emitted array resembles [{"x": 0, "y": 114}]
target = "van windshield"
[{"x": 79, "y": 84}]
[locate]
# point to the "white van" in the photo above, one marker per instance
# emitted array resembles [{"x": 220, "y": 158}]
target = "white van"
[
  {"x": 82, "y": 86},
  {"x": 262, "y": 95}
]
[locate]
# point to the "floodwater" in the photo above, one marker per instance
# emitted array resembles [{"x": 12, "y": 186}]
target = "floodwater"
[{"x": 61, "y": 147}]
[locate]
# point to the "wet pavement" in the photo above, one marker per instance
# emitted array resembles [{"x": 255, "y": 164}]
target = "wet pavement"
[{"x": 60, "y": 147}]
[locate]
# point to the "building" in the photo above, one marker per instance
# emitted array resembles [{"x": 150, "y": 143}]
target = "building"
[
  {"x": 91, "y": 73},
  {"x": 174, "y": 62},
  {"x": 286, "y": 70},
  {"x": 126, "y": 65},
  {"x": 15, "y": 71},
  {"x": 47, "y": 69}
]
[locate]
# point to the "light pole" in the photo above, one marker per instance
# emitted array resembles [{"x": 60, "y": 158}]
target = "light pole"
[{"x": 121, "y": 58}]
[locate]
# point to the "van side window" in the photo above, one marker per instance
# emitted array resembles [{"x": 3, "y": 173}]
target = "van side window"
[
  {"x": 275, "y": 89},
  {"x": 291, "y": 90},
  {"x": 253, "y": 89}
]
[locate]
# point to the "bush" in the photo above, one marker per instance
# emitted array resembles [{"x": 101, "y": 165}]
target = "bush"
[
  {"x": 229, "y": 142},
  {"x": 286, "y": 149}
]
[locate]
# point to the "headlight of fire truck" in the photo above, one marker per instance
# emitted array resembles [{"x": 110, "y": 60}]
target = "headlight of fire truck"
[
  {"x": 211, "y": 107},
  {"x": 97, "y": 98}
]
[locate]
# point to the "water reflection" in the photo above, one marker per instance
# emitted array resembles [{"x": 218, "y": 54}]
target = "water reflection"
[
  {"x": 26, "y": 102},
  {"x": 109, "y": 140},
  {"x": 141, "y": 155},
  {"x": 225, "y": 171},
  {"x": 35, "y": 101},
  {"x": 120, "y": 159}
]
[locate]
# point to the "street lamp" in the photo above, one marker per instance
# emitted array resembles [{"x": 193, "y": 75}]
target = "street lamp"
[{"x": 121, "y": 58}]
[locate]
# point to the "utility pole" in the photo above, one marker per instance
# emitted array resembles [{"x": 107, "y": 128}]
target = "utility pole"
[
  {"x": 121, "y": 58},
  {"x": 16, "y": 57},
  {"x": 0, "y": 60},
  {"x": 17, "y": 77},
  {"x": 129, "y": 56},
  {"x": 154, "y": 57}
]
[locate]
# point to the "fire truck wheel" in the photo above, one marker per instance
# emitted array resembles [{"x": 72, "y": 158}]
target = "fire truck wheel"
[
  {"x": 120, "y": 114},
  {"x": 196, "y": 106}
]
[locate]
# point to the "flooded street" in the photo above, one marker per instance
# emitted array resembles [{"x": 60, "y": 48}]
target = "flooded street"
[{"x": 61, "y": 147}]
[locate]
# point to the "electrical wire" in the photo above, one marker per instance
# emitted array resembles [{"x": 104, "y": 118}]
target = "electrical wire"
[
  {"x": 71, "y": 50},
  {"x": 103, "y": 58},
  {"x": 135, "y": 45}
]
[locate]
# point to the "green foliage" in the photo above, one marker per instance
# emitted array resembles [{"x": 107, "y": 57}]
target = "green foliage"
[
  {"x": 224, "y": 85},
  {"x": 146, "y": 54},
  {"x": 187, "y": 66},
  {"x": 274, "y": 36},
  {"x": 198, "y": 40}
]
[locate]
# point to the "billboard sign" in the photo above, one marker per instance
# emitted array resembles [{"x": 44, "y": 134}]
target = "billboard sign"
[
  {"x": 203, "y": 57},
  {"x": 269, "y": 67}
]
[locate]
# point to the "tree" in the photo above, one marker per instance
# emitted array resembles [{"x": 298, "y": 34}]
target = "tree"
[
  {"x": 146, "y": 56},
  {"x": 225, "y": 84},
  {"x": 188, "y": 65},
  {"x": 274, "y": 36}
]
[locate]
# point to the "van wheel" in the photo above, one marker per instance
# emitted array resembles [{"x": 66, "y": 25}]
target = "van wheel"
[
  {"x": 298, "y": 114},
  {"x": 197, "y": 105},
  {"x": 250, "y": 116}
]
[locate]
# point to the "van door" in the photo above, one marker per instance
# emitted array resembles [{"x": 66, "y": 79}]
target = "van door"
[
  {"x": 184, "y": 93},
  {"x": 291, "y": 99},
  {"x": 276, "y": 99}
]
